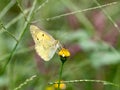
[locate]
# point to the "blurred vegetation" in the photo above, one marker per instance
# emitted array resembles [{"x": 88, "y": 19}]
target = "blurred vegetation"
[{"x": 92, "y": 37}]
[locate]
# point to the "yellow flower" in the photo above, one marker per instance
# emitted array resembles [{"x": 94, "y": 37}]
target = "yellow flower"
[
  {"x": 49, "y": 88},
  {"x": 62, "y": 86},
  {"x": 64, "y": 53}
]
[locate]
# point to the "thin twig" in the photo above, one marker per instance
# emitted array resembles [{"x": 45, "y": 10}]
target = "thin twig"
[
  {"x": 86, "y": 80},
  {"x": 22, "y": 10},
  {"x": 5, "y": 29},
  {"x": 24, "y": 29},
  {"x": 9, "y": 5},
  {"x": 43, "y": 4},
  {"x": 26, "y": 81},
  {"x": 79, "y": 11},
  {"x": 108, "y": 16}
]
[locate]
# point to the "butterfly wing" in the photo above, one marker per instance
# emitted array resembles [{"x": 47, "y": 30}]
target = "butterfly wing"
[
  {"x": 45, "y": 44},
  {"x": 46, "y": 53}
]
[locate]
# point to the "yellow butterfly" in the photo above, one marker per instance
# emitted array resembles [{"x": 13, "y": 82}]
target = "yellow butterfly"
[{"x": 45, "y": 44}]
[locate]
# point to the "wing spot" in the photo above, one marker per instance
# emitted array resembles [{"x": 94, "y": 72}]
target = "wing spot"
[
  {"x": 37, "y": 38},
  {"x": 43, "y": 35}
]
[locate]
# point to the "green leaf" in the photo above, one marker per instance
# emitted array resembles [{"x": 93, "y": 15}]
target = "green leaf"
[{"x": 104, "y": 58}]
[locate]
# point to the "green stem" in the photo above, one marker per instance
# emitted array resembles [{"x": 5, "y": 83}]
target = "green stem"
[
  {"x": 60, "y": 75},
  {"x": 21, "y": 35}
]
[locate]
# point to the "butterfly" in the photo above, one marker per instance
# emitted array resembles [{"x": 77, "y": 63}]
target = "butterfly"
[{"x": 45, "y": 44}]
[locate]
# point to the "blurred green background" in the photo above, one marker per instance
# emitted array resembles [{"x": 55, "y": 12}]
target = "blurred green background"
[{"x": 92, "y": 37}]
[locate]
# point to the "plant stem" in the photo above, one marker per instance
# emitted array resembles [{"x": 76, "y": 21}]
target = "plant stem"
[{"x": 60, "y": 75}]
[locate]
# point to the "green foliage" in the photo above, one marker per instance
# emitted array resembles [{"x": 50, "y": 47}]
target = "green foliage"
[{"x": 89, "y": 31}]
